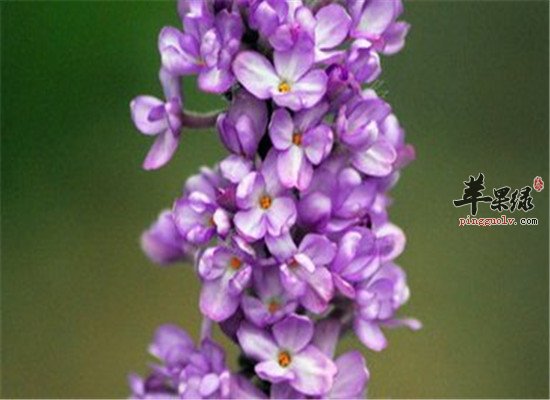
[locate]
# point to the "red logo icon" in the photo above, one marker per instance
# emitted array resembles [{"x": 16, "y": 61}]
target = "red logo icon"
[{"x": 538, "y": 184}]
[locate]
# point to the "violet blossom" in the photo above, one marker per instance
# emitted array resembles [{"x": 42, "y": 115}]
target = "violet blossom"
[{"x": 290, "y": 233}]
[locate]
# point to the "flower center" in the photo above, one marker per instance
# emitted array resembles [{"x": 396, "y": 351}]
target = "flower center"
[
  {"x": 284, "y": 359},
  {"x": 235, "y": 263},
  {"x": 284, "y": 87},
  {"x": 273, "y": 306},
  {"x": 293, "y": 263},
  {"x": 297, "y": 138},
  {"x": 265, "y": 202}
]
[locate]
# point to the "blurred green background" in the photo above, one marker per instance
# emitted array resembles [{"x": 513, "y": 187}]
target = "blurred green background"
[{"x": 80, "y": 301}]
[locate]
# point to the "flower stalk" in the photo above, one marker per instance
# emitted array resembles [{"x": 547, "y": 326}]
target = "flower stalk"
[{"x": 290, "y": 233}]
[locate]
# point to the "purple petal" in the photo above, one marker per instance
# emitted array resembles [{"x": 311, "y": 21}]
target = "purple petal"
[
  {"x": 209, "y": 384},
  {"x": 352, "y": 376},
  {"x": 315, "y": 209},
  {"x": 411, "y": 323},
  {"x": 376, "y": 18},
  {"x": 251, "y": 224},
  {"x": 370, "y": 334},
  {"x": 214, "y": 262},
  {"x": 281, "y": 216},
  {"x": 305, "y": 262},
  {"x": 377, "y": 160},
  {"x": 289, "y": 100},
  {"x": 332, "y": 27},
  {"x": 215, "y": 300},
  {"x": 293, "y": 64},
  {"x": 310, "y": 88},
  {"x": 269, "y": 172},
  {"x": 250, "y": 190},
  {"x": 394, "y": 37},
  {"x": 242, "y": 388},
  {"x": 162, "y": 242},
  {"x": 179, "y": 52},
  {"x": 235, "y": 168},
  {"x": 216, "y": 80},
  {"x": 271, "y": 371},
  {"x": 319, "y": 249},
  {"x": 343, "y": 286},
  {"x": 319, "y": 292},
  {"x": 293, "y": 284},
  {"x": 285, "y": 391},
  {"x": 317, "y": 143},
  {"x": 311, "y": 117},
  {"x": 281, "y": 129},
  {"x": 314, "y": 372},
  {"x": 162, "y": 150},
  {"x": 170, "y": 84},
  {"x": 327, "y": 333},
  {"x": 293, "y": 168},
  {"x": 240, "y": 280},
  {"x": 254, "y": 310},
  {"x": 391, "y": 241},
  {"x": 282, "y": 247},
  {"x": 168, "y": 337},
  {"x": 256, "y": 343},
  {"x": 141, "y": 108},
  {"x": 293, "y": 333},
  {"x": 255, "y": 73}
]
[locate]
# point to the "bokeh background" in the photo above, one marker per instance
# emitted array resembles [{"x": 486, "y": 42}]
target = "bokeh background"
[{"x": 79, "y": 300}]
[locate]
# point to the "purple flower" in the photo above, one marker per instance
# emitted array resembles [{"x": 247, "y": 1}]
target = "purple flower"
[
  {"x": 266, "y": 207},
  {"x": 234, "y": 168},
  {"x": 267, "y": 15},
  {"x": 243, "y": 126},
  {"x": 301, "y": 143},
  {"x": 299, "y": 27},
  {"x": 375, "y": 21},
  {"x": 358, "y": 127},
  {"x": 303, "y": 269},
  {"x": 352, "y": 376},
  {"x": 272, "y": 303},
  {"x": 341, "y": 86},
  {"x": 186, "y": 372},
  {"x": 322, "y": 32},
  {"x": 198, "y": 218},
  {"x": 290, "y": 82},
  {"x": 363, "y": 62},
  {"x": 162, "y": 119},
  {"x": 377, "y": 299},
  {"x": 225, "y": 273},
  {"x": 331, "y": 29},
  {"x": 337, "y": 198},
  {"x": 162, "y": 242},
  {"x": 287, "y": 355},
  {"x": 356, "y": 260},
  {"x": 207, "y": 49}
]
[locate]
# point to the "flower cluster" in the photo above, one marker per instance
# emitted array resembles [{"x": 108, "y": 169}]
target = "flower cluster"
[{"x": 289, "y": 234}]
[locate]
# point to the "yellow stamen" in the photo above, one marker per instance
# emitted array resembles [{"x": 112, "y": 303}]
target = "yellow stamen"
[
  {"x": 284, "y": 87},
  {"x": 284, "y": 359},
  {"x": 265, "y": 202},
  {"x": 293, "y": 263},
  {"x": 235, "y": 263},
  {"x": 273, "y": 306},
  {"x": 297, "y": 138}
]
